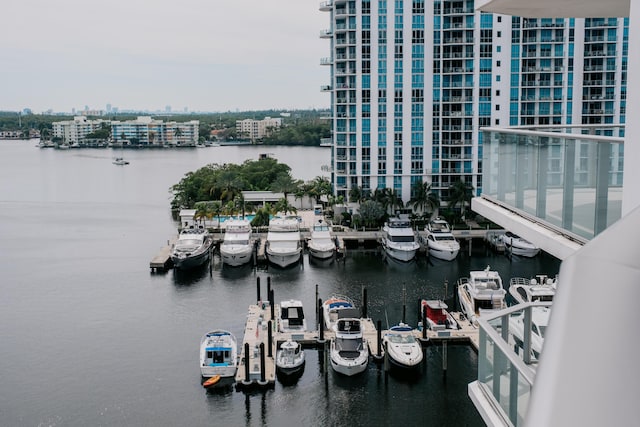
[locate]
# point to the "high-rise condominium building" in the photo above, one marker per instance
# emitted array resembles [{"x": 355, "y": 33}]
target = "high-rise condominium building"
[{"x": 412, "y": 82}]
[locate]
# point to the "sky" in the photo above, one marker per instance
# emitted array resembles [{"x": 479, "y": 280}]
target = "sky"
[{"x": 205, "y": 55}]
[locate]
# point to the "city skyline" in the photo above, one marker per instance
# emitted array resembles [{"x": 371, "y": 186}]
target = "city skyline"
[{"x": 211, "y": 56}]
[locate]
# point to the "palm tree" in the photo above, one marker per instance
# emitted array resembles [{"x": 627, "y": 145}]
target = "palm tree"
[
  {"x": 240, "y": 203},
  {"x": 460, "y": 193},
  {"x": 356, "y": 194},
  {"x": 424, "y": 199},
  {"x": 285, "y": 184},
  {"x": 216, "y": 210},
  {"x": 229, "y": 184},
  {"x": 283, "y": 205}
]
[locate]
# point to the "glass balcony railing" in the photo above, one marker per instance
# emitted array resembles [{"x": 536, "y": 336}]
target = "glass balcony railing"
[
  {"x": 567, "y": 178},
  {"x": 507, "y": 359}
]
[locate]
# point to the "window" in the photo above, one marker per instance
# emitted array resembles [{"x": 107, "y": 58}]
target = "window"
[{"x": 497, "y": 107}]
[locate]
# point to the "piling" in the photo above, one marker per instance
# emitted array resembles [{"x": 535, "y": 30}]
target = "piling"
[
  {"x": 271, "y": 303},
  {"x": 364, "y": 302},
  {"x": 263, "y": 369},
  {"x": 270, "y": 338},
  {"x": 424, "y": 322},
  {"x": 258, "y": 288},
  {"x": 321, "y": 322},
  {"x": 379, "y": 332},
  {"x": 246, "y": 364}
]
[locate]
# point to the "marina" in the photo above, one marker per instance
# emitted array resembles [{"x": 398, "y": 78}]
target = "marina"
[{"x": 96, "y": 238}]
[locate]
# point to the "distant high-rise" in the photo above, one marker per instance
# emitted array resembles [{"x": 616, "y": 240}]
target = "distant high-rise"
[
  {"x": 412, "y": 83},
  {"x": 108, "y": 108},
  {"x": 167, "y": 109}
]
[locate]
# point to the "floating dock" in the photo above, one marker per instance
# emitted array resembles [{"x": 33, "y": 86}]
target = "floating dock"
[{"x": 162, "y": 261}]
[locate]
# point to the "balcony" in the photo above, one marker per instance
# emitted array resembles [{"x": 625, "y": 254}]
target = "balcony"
[
  {"x": 326, "y": 34},
  {"x": 326, "y": 61},
  {"x": 566, "y": 180},
  {"x": 326, "y": 88},
  {"x": 326, "y": 6}
]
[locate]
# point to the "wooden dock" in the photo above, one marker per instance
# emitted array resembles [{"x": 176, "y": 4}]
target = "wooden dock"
[
  {"x": 257, "y": 360},
  {"x": 162, "y": 261}
]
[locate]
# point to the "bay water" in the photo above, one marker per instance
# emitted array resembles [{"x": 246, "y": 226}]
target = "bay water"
[{"x": 90, "y": 337}]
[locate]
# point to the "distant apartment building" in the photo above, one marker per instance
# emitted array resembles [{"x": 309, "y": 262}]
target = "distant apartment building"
[
  {"x": 146, "y": 131},
  {"x": 257, "y": 129},
  {"x": 412, "y": 83},
  {"x": 76, "y": 130}
]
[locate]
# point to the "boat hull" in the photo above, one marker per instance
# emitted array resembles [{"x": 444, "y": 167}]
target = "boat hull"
[
  {"x": 320, "y": 253},
  {"x": 404, "y": 255},
  {"x": 443, "y": 253},
  {"x": 191, "y": 261},
  {"x": 236, "y": 257},
  {"x": 284, "y": 259},
  {"x": 348, "y": 367}
]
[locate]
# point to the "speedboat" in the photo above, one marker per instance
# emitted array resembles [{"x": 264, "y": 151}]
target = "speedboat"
[
  {"x": 403, "y": 349},
  {"x": 237, "y": 247},
  {"x": 440, "y": 240},
  {"x": 218, "y": 354},
  {"x": 349, "y": 352},
  {"x": 399, "y": 240},
  {"x": 321, "y": 244},
  {"x": 539, "y": 323},
  {"x": 482, "y": 292},
  {"x": 192, "y": 249},
  {"x": 539, "y": 289},
  {"x": 336, "y": 307},
  {"x": 518, "y": 246},
  {"x": 438, "y": 318},
  {"x": 290, "y": 358},
  {"x": 120, "y": 161},
  {"x": 283, "y": 241},
  {"x": 291, "y": 317}
]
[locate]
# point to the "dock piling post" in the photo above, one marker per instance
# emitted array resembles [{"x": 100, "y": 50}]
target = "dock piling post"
[
  {"x": 317, "y": 305},
  {"x": 246, "y": 363},
  {"x": 444, "y": 358},
  {"x": 379, "y": 332},
  {"x": 262, "y": 364},
  {"x": 268, "y": 286},
  {"x": 321, "y": 321},
  {"x": 424, "y": 322},
  {"x": 386, "y": 359},
  {"x": 364, "y": 302},
  {"x": 273, "y": 306},
  {"x": 270, "y": 338},
  {"x": 258, "y": 288}
]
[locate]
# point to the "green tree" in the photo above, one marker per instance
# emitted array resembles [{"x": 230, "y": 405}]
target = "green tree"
[
  {"x": 263, "y": 214},
  {"x": 283, "y": 205},
  {"x": 424, "y": 199},
  {"x": 371, "y": 213},
  {"x": 285, "y": 184}
]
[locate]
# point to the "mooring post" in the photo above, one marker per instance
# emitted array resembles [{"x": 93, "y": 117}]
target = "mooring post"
[
  {"x": 317, "y": 305},
  {"x": 262, "y": 363},
  {"x": 379, "y": 333},
  {"x": 268, "y": 286},
  {"x": 246, "y": 362},
  {"x": 364, "y": 302},
  {"x": 270, "y": 338},
  {"x": 424, "y": 321},
  {"x": 444, "y": 358},
  {"x": 258, "y": 288},
  {"x": 386, "y": 358},
  {"x": 321, "y": 321},
  {"x": 273, "y": 306}
]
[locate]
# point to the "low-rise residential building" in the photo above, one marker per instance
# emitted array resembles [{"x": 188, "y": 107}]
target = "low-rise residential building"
[
  {"x": 76, "y": 130},
  {"x": 146, "y": 131},
  {"x": 257, "y": 129}
]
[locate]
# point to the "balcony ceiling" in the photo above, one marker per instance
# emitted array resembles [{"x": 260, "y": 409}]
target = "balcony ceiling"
[{"x": 557, "y": 8}]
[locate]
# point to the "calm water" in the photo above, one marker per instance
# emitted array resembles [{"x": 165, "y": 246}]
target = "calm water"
[{"x": 90, "y": 337}]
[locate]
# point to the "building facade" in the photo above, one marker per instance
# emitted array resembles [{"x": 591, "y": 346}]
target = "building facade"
[
  {"x": 412, "y": 83},
  {"x": 146, "y": 131},
  {"x": 257, "y": 129},
  {"x": 76, "y": 130}
]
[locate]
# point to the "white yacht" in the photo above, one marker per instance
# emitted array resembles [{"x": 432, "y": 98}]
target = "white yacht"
[
  {"x": 321, "y": 244},
  {"x": 480, "y": 293},
  {"x": 237, "y": 247},
  {"x": 218, "y": 354},
  {"x": 403, "y": 349},
  {"x": 192, "y": 249},
  {"x": 539, "y": 322},
  {"x": 291, "y": 317},
  {"x": 539, "y": 289},
  {"x": 518, "y": 246},
  {"x": 334, "y": 306},
  {"x": 290, "y": 358},
  {"x": 440, "y": 241},
  {"x": 283, "y": 241},
  {"x": 399, "y": 240},
  {"x": 349, "y": 352}
]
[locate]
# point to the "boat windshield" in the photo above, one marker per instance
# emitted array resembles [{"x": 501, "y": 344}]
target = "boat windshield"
[
  {"x": 401, "y": 338},
  {"x": 235, "y": 242},
  {"x": 443, "y": 238},
  {"x": 189, "y": 242},
  {"x": 401, "y": 239}
]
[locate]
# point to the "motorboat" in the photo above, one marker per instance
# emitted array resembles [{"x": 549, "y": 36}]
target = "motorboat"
[
  {"x": 539, "y": 323},
  {"x": 402, "y": 347},
  {"x": 480, "y": 293},
  {"x": 349, "y": 352},
  {"x": 290, "y": 358},
  {"x": 283, "y": 241},
  {"x": 437, "y": 316},
  {"x": 335, "y": 307},
  {"x": 516, "y": 245},
  {"x": 120, "y": 161},
  {"x": 399, "y": 240},
  {"x": 539, "y": 289},
  {"x": 192, "y": 249},
  {"x": 237, "y": 247},
  {"x": 291, "y": 317},
  {"x": 321, "y": 244},
  {"x": 218, "y": 354},
  {"x": 440, "y": 241}
]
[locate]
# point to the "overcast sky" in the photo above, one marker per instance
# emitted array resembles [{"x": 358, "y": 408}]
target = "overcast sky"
[{"x": 207, "y": 55}]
